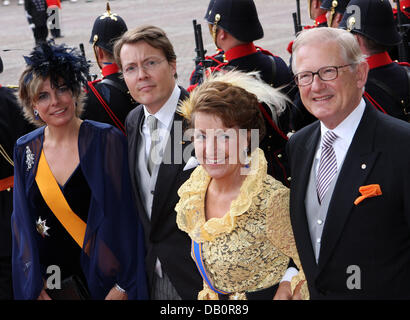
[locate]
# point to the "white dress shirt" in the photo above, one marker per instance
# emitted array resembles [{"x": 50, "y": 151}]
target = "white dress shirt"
[
  {"x": 165, "y": 115},
  {"x": 345, "y": 132}
]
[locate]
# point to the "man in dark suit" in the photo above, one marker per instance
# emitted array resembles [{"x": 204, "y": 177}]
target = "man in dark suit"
[
  {"x": 36, "y": 13},
  {"x": 350, "y": 190},
  {"x": 108, "y": 99},
  {"x": 157, "y": 166}
]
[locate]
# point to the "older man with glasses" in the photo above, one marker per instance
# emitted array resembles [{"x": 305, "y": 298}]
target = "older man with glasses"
[{"x": 350, "y": 198}]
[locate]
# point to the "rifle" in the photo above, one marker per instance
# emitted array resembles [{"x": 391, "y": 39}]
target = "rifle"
[
  {"x": 403, "y": 47},
  {"x": 200, "y": 61},
  {"x": 296, "y": 19},
  {"x": 92, "y": 76}
]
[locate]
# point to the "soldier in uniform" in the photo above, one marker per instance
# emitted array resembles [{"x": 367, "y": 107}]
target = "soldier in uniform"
[
  {"x": 402, "y": 19},
  {"x": 12, "y": 126},
  {"x": 36, "y": 12},
  {"x": 108, "y": 99},
  {"x": 335, "y": 10},
  {"x": 388, "y": 84},
  {"x": 234, "y": 25},
  {"x": 317, "y": 14}
]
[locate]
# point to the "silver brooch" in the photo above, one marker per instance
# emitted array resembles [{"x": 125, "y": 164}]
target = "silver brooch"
[
  {"x": 29, "y": 158},
  {"x": 41, "y": 227}
]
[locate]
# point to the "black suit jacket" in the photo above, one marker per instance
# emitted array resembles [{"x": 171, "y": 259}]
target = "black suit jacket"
[
  {"x": 373, "y": 235},
  {"x": 163, "y": 237}
]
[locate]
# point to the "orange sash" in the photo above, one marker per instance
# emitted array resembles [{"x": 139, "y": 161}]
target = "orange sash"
[{"x": 55, "y": 200}]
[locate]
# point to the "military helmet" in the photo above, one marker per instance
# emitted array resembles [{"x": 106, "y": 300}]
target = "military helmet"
[
  {"x": 107, "y": 28},
  {"x": 335, "y": 5},
  {"x": 238, "y": 17},
  {"x": 372, "y": 19}
]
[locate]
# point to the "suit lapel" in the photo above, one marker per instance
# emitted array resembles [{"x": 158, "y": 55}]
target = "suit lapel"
[
  {"x": 358, "y": 163},
  {"x": 305, "y": 156},
  {"x": 133, "y": 123}
]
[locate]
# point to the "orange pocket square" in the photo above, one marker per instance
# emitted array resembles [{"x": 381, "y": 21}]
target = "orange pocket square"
[{"x": 369, "y": 191}]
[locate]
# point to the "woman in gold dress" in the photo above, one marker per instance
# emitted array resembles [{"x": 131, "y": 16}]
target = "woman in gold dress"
[{"x": 236, "y": 214}]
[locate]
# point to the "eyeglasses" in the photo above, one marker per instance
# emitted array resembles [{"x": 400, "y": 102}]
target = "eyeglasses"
[
  {"x": 305, "y": 78},
  {"x": 147, "y": 66},
  {"x": 44, "y": 97}
]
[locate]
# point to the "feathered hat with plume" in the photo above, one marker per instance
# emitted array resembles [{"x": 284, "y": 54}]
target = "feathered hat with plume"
[
  {"x": 56, "y": 62},
  {"x": 250, "y": 82}
]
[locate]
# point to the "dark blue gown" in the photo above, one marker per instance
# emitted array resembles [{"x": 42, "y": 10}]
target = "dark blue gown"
[{"x": 114, "y": 235}]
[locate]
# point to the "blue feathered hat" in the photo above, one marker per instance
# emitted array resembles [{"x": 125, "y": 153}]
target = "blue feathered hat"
[{"x": 58, "y": 61}]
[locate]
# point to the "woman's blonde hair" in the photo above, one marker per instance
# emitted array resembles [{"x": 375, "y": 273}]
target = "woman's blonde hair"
[{"x": 29, "y": 87}]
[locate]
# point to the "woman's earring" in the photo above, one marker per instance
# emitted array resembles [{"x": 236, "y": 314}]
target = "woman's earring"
[
  {"x": 247, "y": 159},
  {"x": 36, "y": 114}
]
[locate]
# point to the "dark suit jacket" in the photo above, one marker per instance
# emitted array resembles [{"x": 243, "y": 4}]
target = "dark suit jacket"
[
  {"x": 373, "y": 235},
  {"x": 163, "y": 237}
]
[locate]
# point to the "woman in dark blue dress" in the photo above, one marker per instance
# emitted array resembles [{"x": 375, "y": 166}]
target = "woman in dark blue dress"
[{"x": 74, "y": 215}]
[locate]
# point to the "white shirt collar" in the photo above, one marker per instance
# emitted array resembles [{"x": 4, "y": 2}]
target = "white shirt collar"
[
  {"x": 345, "y": 132},
  {"x": 166, "y": 114},
  {"x": 347, "y": 128}
]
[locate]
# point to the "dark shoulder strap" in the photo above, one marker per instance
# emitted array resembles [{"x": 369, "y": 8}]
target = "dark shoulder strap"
[
  {"x": 110, "y": 113},
  {"x": 273, "y": 69},
  {"x": 386, "y": 89},
  {"x": 6, "y": 157},
  {"x": 406, "y": 107},
  {"x": 272, "y": 56},
  {"x": 115, "y": 85}
]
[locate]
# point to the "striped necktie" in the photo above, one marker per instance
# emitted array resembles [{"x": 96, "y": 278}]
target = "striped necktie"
[
  {"x": 327, "y": 166},
  {"x": 152, "y": 155}
]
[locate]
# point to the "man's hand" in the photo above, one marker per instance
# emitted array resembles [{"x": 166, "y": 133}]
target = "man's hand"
[
  {"x": 284, "y": 291},
  {"x": 43, "y": 295},
  {"x": 116, "y": 294}
]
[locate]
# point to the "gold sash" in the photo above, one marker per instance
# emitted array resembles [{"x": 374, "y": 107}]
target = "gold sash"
[{"x": 57, "y": 203}]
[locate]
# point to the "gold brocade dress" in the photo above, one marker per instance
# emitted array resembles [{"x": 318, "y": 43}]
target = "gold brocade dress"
[{"x": 248, "y": 249}]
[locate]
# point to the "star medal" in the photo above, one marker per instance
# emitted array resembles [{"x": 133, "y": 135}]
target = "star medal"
[{"x": 41, "y": 227}]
